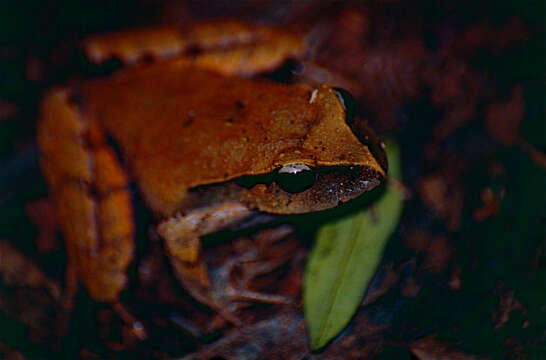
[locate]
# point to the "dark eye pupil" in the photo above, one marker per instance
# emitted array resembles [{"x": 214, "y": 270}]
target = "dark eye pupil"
[
  {"x": 294, "y": 183},
  {"x": 349, "y": 104}
]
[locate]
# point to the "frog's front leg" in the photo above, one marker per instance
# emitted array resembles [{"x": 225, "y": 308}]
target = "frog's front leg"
[
  {"x": 182, "y": 238},
  {"x": 92, "y": 200}
]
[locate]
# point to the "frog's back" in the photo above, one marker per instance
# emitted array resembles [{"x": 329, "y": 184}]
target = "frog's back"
[{"x": 179, "y": 127}]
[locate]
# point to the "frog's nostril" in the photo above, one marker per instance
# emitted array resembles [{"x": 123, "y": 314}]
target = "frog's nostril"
[
  {"x": 349, "y": 104},
  {"x": 295, "y": 178}
]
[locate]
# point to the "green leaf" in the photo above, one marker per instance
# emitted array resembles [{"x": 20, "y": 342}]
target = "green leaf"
[{"x": 344, "y": 259}]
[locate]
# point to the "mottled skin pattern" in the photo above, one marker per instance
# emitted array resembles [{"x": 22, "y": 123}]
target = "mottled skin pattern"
[{"x": 186, "y": 127}]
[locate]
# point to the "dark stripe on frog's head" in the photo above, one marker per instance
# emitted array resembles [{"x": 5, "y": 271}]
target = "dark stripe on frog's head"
[{"x": 319, "y": 188}]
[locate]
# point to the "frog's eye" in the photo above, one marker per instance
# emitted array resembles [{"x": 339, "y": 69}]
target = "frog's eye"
[
  {"x": 293, "y": 168},
  {"x": 295, "y": 178},
  {"x": 349, "y": 104}
]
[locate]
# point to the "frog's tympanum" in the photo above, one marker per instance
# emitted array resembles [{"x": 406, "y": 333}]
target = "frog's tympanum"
[{"x": 208, "y": 145}]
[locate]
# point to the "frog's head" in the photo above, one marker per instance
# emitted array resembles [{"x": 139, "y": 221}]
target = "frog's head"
[{"x": 337, "y": 160}]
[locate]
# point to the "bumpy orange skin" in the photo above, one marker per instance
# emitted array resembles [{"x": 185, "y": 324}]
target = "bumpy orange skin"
[{"x": 186, "y": 128}]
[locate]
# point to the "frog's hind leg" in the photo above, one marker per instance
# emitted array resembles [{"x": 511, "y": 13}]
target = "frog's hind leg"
[
  {"x": 229, "y": 47},
  {"x": 92, "y": 200},
  {"x": 163, "y": 42}
]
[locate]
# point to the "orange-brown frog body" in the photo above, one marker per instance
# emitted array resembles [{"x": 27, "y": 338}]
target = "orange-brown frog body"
[{"x": 184, "y": 129}]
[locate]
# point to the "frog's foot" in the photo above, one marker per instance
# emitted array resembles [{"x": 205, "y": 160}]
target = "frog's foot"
[
  {"x": 195, "y": 279},
  {"x": 265, "y": 252},
  {"x": 241, "y": 279}
]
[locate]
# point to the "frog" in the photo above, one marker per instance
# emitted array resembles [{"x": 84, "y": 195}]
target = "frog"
[{"x": 208, "y": 143}]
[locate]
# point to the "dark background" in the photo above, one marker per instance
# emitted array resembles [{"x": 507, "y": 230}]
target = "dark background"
[{"x": 498, "y": 259}]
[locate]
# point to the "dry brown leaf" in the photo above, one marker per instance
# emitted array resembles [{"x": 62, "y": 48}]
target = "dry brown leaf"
[
  {"x": 507, "y": 304},
  {"x": 491, "y": 205},
  {"x": 8, "y": 110},
  {"x": 430, "y": 348},
  {"x": 7, "y": 353},
  {"x": 443, "y": 194},
  {"x": 503, "y": 119}
]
